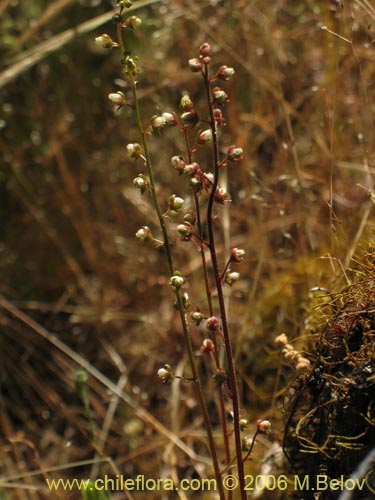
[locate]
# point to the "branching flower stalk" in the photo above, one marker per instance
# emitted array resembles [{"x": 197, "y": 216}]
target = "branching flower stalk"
[
  {"x": 130, "y": 69},
  {"x": 192, "y": 231},
  {"x": 202, "y": 247},
  {"x": 219, "y": 288}
]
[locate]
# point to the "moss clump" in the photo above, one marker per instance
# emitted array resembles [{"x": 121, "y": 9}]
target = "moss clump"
[{"x": 331, "y": 425}]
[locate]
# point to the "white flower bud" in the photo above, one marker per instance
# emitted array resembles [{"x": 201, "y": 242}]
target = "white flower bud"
[
  {"x": 231, "y": 277},
  {"x": 105, "y": 41},
  {"x": 205, "y": 136},
  {"x": 117, "y": 98}
]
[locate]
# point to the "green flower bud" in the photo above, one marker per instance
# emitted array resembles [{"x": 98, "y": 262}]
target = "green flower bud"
[
  {"x": 133, "y": 22},
  {"x": 134, "y": 150},
  {"x": 186, "y": 103},
  {"x": 175, "y": 203},
  {"x": 141, "y": 182},
  {"x": 166, "y": 374},
  {"x": 144, "y": 234}
]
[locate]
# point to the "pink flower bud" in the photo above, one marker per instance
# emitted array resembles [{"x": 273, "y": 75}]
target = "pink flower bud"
[
  {"x": 264, "y": 426},
  {"x": 158, "y": 122},
  {"x": 207, "y": 346},
  {"x": 237, "y": 255},
  {"x": 235, "y": 154},
  {"x": 213, "y": 324},
  {"x": 219, "y": 95},
  {"x": 225, "y": 73},
  {"x": 170, "y": 119},
  {"x": 205, "y": 136},
  {"x": 144, "y": 234},
  {"x": 221, "y": 196},
  {"x": 205, "y": 49},
  {"x": 190, "y": 117},
  {"x": 195, "y": 65},
  {"x": 218, "y": 116},
  {"x": 192, "y": 168}
]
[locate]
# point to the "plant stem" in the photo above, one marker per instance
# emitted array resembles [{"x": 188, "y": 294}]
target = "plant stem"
[
  {"x": 217, "y": 275},
  {"x": 223, "y": 419},
  {"x": 179, "y": 302}
]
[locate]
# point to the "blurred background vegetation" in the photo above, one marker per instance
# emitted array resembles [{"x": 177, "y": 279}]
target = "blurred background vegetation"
[{"x": 302, "y": 108}]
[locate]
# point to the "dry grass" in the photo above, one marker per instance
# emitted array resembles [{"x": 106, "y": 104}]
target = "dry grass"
[{"x": 78, "y": 287}]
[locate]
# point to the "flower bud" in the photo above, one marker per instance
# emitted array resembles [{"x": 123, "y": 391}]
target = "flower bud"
[
  {"x": 175, "y": 203},
  {"x": 105, "y": 41},
  {"x": 205, "y": 49},
  {"x": 235, "y": 154},
  {"x": 207, "y": 346},
  {"x": 190, "y": 117},
  {"x": 231, "y": 277},
  {"x": 219, "y": 95},
  {"x": 186, "y": 103},
  {"x": 195, "y": 184},
  {"x": 185, "y": 300},
  {"x": 131, "y": 65},
  {"x": 225, "y": 73},
  {"x": 205, "y": 136},
  {"x": 197, "y": 317},
  {"x": 134, "y": 150},
  {"x": 124, "y": 3},
  {"x": 176, "y": 281},
  {"x": 213, "y": 324},
  {"x": 263, "y": 426},
  {"x": 221, "y": 195},
  {"x": 244, "y": 423},
  {"x": 141, "y": 183},
  {"x": 190, "y": 218},
  {"x": 158, "y": 122},
  {"x": 133, "y": 22},
  {"x": 117, "y": 98},
  {"x": 166, "y": 374},
  {"x": 237, "y": 255},
  {"x": 144, "y": 234},
  {"x": 192, "y": 168},
  {"x": 209, "y": 176},
  {"x": 185, "y": 231},
  {"x": 195, "y": 65},
  {"x": 220, "y": 377},
  {"x": 178, "y": 164},
  {"x": 247, "y": 443},
  {"x": 218, "y": 116},
  {"x": 170, "y": 119}
]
